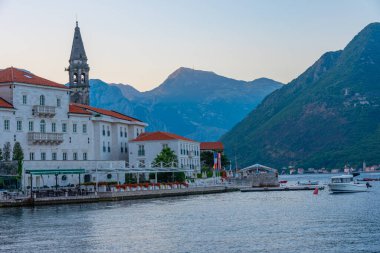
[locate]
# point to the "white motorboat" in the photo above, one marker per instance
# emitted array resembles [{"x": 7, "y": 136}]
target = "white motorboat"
[
  {"x": 308, "y": 183},
  {"x": 346, "y": 183}
]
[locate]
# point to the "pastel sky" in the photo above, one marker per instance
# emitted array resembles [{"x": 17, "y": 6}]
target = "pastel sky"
[{"x": 141, "y": 42}]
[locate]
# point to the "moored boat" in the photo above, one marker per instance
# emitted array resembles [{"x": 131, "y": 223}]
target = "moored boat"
[
  {"x": 308, "y": 183},
  {"x": 346, "y": 184}
]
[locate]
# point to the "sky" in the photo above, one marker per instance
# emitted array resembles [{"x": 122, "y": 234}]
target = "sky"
[{"x": 142, "y": 42}]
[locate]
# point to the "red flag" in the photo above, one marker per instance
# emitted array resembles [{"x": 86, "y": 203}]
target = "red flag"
[{"x": 219, "y": 161}]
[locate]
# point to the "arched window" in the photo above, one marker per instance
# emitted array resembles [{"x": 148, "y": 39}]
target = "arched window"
[
  {"x": 75, "y": 78},
  {"x": 82, "y": 78},
  {"x": 42, "y": 100},
  {"x": 42, "y": 126}
]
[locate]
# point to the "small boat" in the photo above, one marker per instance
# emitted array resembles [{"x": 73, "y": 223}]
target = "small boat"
[
  {"x": 346, "y": 184},
  {"x": 308, "y": 183}
]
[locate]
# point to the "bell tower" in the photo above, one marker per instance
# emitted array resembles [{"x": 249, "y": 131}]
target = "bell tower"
[{"x": 78, "y": 71}]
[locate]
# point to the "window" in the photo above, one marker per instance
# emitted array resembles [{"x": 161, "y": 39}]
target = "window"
[
  {"x": 88, "y": 140},
  {"x": 83, "y": 78},
  {"x": 31, "y": 126},
  {"x": 6, "y": 124},
  {"x": 74, "y": 128},
  {"x": 54, "y": 156},
  {"x": 108, "y": 131},
  {"x": 121, "y": 148},
  {"x": 42, "y": 126},
  {"x": 64, "y": 156},
  {"x": 53, "y": 127},
  {"x": 58, "y": 102},
  {"x": 125, "y": 148},
  {"x": 141, "y": 151},
  {"x": 104, "y": 146},
  {"x": 75, "y": 78},
  {"x": 43, "y": 156},
  {"x": 64, "y": 128},
  {"x": 84, "y": 128},
  {"x": 141, "y": 163},
  {"x": 19, "y": 125},
  {"x": 75, "y": 156},
  {"x": 84, "y": 156},
  {"x": 104, "y": 131},
  {"x": 109, "y": 147},
  {"x": 125, "y": 132},
  {"x": 164, "y": 146},
  {"x": 121, "y": 132},
  {"x": 24, "y": 99},
  {"x": 31, "y": 156},
  {"x": 42, "y": 100}
]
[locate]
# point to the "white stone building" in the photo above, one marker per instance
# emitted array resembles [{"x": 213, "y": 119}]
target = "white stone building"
[
  {"x": 57, "y": 128},
  {"x": 57, "y": 134},
  {"x": 144, "y": 149}
]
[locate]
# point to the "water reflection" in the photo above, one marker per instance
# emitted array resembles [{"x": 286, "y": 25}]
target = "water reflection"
[{"x": 233, "y": 222}]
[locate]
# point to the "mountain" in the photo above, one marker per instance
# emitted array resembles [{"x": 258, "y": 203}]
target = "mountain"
[
  {"x": 197, "y": 104},
  {"x": 327, "y": 117},
  {"x": 128, "y": 91}
]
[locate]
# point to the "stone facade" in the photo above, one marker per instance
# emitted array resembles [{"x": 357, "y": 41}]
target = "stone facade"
[
  {"x": 144, "y": 149},
  {"x": 55, "y": 132},
  {"x": 264, "y": 179}
]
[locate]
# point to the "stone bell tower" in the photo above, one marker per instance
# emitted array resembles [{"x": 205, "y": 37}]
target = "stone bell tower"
[{"x": 78, "y": 71}]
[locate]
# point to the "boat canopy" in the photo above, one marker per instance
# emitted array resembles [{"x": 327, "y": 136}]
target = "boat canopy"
[{"x": 258, "y": 167}]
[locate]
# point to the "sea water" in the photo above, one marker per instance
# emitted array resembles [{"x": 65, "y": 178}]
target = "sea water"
[{"x": 230, "y": 222}]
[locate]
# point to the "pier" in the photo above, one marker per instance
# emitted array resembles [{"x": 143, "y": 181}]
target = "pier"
[
  {"x": 115, "y": 196},
  {"x": 281, "y": 188}
]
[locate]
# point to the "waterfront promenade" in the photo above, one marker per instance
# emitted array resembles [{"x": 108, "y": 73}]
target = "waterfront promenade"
[{"x": 115, "y": 196}]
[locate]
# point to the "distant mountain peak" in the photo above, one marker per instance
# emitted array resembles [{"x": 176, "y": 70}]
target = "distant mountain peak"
[
  {"x": 184, "y": 71},
  {"x": 193, "y": 103}
]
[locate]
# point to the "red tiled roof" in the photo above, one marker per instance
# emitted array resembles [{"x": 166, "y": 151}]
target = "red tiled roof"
[
  {"x": 77, "y": 110},
  {"x": 5, "y": 104},
  {"x": 212, "y": 146},
  {"x": 159, "y": 136},
  {"x": 15, "y": 75},
  {"x": 106, "y": 112}
]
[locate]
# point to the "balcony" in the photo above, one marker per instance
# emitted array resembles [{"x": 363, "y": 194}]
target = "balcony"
[
  {"x": 45, "y": 138},
  {"x": 44, "y": 110}
]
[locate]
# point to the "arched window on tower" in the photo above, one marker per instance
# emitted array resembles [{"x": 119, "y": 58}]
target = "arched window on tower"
[
  {"x": 82, "y": 78},
  {"x": 75, "y": 78},
  {"x": 42, "y": 126},
  {"x": 42, "y": 100}
]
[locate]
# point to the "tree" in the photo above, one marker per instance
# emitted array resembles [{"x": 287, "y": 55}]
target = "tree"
[
  {"x": 1, "y": 154},
  {"x": 7, "y": 151},
  {"x": 18, "y": 155},
  {"x": 166, "y": 157}
]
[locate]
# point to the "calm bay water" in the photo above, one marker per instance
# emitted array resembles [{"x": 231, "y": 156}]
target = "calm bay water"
[{"x": 231, "y": 222}]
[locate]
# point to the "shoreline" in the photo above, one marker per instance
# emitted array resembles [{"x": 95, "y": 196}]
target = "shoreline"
[{"x": 116, "y": 196}]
